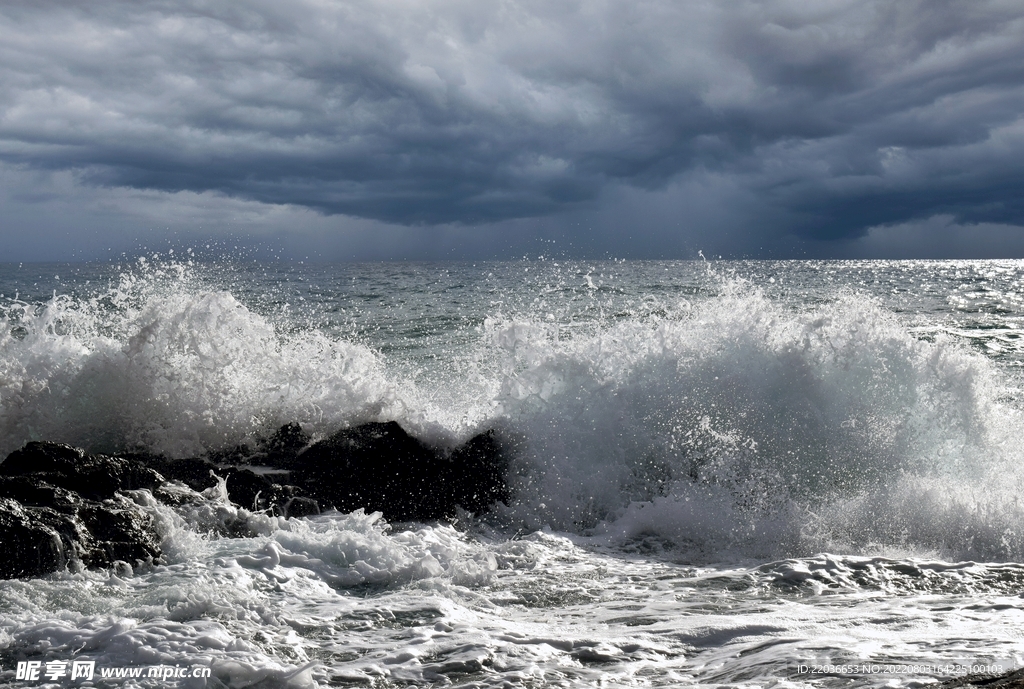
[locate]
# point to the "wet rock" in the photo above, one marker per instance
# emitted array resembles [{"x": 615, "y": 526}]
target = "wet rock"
[
  {"x": 34, "y": 493},
  {"x": 378, "y": 466},
  {"x": 245, "y": 488},
  {"x": 301, "y": 507},
  {"x": 59, "y": 504},
  {"x": 41, "y": 540},
  {"x": 177, "y": 494},
  {"x": 277, "y": 450},
  {"x": 256, "y": 492},
  {"x": 31, "y": 546},
  {"x": 94, "y": 477},
  {"x": 118, "y": 530},
  {"x": 481, "y": 472},
  {"x": 195, "y": 472},
  {"x": 281, "y": 449}
]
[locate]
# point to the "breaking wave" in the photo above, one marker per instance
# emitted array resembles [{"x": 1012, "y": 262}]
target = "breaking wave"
[{"x": 726, "y": 424}]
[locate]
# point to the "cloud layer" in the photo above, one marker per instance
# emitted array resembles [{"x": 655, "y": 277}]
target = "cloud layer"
[{"x": 824, "y": 119}]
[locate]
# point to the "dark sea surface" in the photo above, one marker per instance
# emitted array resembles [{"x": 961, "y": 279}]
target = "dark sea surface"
[{"x": 725, "y": 473}]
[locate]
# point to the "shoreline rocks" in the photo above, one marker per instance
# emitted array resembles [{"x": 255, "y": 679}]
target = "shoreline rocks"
[
  {"x": 380, "y": 467},
  {"x": 60, "y": 505}
]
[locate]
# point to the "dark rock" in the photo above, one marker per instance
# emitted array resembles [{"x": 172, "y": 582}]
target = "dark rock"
[
  {"x": 278, "y": 450},
  {"x": 195, "y": 472},
  {"x": 481, "y": 472},
  {"x": 40, "y": 540},
  {"x": 59, "y": 504},
  {"x": 281, "y": 449},
  {"x": 36, "y": 457},
  {"x": 94, "y": 477},
  {"x": 301, "y": 507},
  {"x": 177, "y": 494},
  {"x": 36, "y": 493},
  {"x": 246, "y": 488},
  {"x": 256, "y": 492},
  {"x": 119, "y": 530},
  {"x": 31, "y": 546},
  {"x": 378, "y": 466}
]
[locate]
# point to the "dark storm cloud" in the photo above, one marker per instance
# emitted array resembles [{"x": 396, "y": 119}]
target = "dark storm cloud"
[{"x": 827, "y": 117}]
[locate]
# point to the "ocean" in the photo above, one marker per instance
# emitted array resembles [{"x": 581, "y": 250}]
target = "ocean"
[{"x": 743, "y": 474}]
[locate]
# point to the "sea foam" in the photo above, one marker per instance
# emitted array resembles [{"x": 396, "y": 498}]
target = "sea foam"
[
  {"x": 724, "y": 422},
  {"x": 738, "y": 424},
  {"x": 162, "y": 363}
]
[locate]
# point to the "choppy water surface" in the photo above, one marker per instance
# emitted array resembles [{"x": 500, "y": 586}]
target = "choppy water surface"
[{"x": 723, "y": 471}]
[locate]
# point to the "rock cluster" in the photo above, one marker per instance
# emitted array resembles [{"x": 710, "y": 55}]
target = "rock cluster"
[
  {"x": 61, "y": 506},
  {"x": 380, "y": 467}
]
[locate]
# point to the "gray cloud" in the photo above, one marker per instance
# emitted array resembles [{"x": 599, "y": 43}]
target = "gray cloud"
[{"x": 823, "y": 119}]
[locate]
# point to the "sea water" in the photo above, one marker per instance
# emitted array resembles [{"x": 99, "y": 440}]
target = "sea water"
[{"x": 733, "y": 473}]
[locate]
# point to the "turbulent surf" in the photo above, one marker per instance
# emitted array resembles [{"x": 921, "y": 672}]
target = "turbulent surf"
[{"x": 730, "y": 473}]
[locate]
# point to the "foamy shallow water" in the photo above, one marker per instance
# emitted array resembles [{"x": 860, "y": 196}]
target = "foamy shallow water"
[
  {"x": 688, "y": 443},
  {"x": 538, "y": 611}
]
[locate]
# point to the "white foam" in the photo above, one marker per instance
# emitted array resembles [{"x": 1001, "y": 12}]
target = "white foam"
[
  {"x": 724, "y": 422},
  {"x": 358, "y": 548},
  {"x": 728, "y": 428},
  {"x": 740, "y": 424},
  {"x": 157, "y": 363}
]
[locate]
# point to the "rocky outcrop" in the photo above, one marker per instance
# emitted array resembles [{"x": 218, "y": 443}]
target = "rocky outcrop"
[
  {"x": 257, "y": 492},
  {"x": 281, "y": 447},
  {"x": 481, "y": 473},
  {"x": 380, "y": 467},
  {"x": 94, "y": 477},
  {"x": 34, "y": 541},
  {"x": 61, "y": 505}
]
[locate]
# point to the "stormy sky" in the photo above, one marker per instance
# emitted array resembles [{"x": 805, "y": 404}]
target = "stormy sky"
[{"x": 370, "y": 129}]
